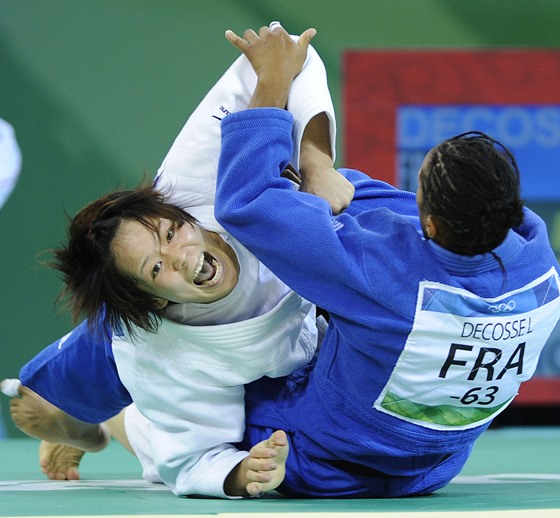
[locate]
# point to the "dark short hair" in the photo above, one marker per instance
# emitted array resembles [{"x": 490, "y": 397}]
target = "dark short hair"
[
  {"x": 471, "y": 184},
  {"x": 94, "y": 286}
]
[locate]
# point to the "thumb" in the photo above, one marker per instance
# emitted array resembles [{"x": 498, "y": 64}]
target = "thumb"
[{"x": 306, "y": 37}]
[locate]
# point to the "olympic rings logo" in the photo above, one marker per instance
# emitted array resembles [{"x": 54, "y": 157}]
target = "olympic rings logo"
[{"x": 504, "y": 307}]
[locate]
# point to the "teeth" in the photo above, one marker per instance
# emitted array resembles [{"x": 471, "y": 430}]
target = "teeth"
[
  {"x": 208, "y": 271},
  {"x": 198, "y": 267},
  {"x": 217, "y": 274}
]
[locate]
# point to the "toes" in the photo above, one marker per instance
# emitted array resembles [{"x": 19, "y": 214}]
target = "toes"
[
  {"x": 279, "y": 438},
  {"x": 72, "y": 473},
  {"x": 258, "y": 465}
]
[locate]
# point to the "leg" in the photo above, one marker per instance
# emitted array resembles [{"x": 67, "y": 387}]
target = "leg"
[
  {"x": 116, "y": 426},
  {"x": 38, "y": 418},
  {"x": 61, "y": 461}
]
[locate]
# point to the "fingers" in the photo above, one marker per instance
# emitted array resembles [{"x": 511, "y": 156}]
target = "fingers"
[
  {"x": 235, "y": 40},
  {"x": 306, "y": 37},
  {"x": 250, "y": 36},
  {"x": 242, "y": 43}
]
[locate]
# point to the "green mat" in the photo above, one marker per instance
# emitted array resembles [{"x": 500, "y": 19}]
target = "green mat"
[{"x": 510, "y": 469}]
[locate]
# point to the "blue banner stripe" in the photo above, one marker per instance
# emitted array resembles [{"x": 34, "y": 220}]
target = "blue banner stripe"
[{"x": 444, "y": 301}]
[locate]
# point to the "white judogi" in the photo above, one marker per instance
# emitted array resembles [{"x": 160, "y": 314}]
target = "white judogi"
[{"x": 188, "y": 379}]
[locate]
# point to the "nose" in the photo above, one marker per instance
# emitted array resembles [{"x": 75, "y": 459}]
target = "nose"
[{"x": 176, "y": 255}]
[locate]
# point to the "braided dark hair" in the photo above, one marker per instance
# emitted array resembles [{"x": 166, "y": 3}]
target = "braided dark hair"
[
  {"x": 470, "y": 183},
  {"x": 93, "y": 283}
]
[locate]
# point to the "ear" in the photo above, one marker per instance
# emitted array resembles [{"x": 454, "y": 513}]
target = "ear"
[
  {"x": 431, "y": 227},
  {"x": 161, "y": 303}
]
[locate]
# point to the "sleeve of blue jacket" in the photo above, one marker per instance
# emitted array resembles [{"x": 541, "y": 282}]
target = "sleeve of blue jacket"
[
  {"x": 77, "y": 373},
  {"x": 320, "y": 256}
]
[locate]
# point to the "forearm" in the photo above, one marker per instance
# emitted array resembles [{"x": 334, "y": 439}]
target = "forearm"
[
  {"x": 315, "y": 152},
  {"x": 317, "y": 171}
]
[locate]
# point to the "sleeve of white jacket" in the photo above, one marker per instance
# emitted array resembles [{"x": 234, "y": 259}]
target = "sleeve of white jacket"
[
  {"x": 198, "y": 473},
  {"x": 184, "y": 435},
  {"x": 188, "y": 172},
  {"x": 193, "y": 415}
]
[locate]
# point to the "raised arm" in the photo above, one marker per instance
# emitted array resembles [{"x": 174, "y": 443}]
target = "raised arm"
[
  {"x": 189, "y": 170},
  {"x": 309, "y": 249},
  {"x": 281, "y": 85}
]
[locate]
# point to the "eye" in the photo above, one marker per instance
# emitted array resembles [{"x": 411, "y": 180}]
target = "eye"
[
  {"x": 155, "y": 270},
  {"x": 170, "y": 234}
]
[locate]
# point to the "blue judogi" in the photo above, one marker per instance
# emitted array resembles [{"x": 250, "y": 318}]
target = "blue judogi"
[{"x": 424, "y": 347}]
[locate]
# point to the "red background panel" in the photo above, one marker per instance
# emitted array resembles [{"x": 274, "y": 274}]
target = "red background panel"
[{"x": 376, "y": 83}]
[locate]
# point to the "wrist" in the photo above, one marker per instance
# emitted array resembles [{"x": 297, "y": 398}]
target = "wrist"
[
  {"x": 270, "y": 92},
  {"x": 314, "y": 161}
]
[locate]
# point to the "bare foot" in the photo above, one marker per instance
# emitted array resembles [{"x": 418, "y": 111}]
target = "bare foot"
[
  {"x": 59, "y": 461},
  {"x": 267, "y": 464},
  {"x": 33, "y": 414},
  {"x": 38, "y": 418}
]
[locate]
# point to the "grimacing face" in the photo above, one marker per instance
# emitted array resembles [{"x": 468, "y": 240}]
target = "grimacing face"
[{"x": 178, "y": 264}]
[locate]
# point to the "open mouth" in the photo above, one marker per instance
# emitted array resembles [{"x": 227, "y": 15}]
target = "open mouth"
[{"x": 208, "y": 270}]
